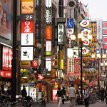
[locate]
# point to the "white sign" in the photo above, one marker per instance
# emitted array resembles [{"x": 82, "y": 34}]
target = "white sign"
[
  {"x": 48, "y": 16},
  {"x": 26, "y": 38},
  {"x": 48, "y": 3},
  {"x": 60, "y": 33},
  {"x": 85, "y": 50},
  {"x": 84, "y": 23},
  {"x": 48, "y": 64},
  {"x": 69, "y": 52},
  {"x": 85, "y": 32},
  {"x": 27, "y": 53},
  {"x": 86, "y": 42},
  {"x": 33, "y": 93},
  {"x": 48, "y": 46}
]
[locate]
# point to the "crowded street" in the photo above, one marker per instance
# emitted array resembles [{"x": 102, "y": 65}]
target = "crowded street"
[
  {"x": 53, "y": 53},
  {"x": 97, "y": 104}
]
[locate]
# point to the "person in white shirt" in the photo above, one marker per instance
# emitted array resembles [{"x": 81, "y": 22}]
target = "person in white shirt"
[{"x": 72, "y": 95}]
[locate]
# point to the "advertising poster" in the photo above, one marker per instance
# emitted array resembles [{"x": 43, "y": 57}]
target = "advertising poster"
[
  {"x": 54, "y": 97},
  {"x": 7, "y": 59},
  {"x": 5, "y": 18},
  {"x": 6, "y": 63}
]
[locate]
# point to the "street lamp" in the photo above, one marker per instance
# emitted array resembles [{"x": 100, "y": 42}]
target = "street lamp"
[{"x": 80, "y": 37}]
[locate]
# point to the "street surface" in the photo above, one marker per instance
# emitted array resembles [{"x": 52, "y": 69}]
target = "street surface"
[{"x": 97, "y": 104}]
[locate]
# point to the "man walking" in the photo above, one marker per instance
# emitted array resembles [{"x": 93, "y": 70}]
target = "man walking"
[
  {"x": 59, "y": 95},
  {"x": 72, "y": 95}
]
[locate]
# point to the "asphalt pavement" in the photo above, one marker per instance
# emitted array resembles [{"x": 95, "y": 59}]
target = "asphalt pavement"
[{"x": 97, "y": 104}]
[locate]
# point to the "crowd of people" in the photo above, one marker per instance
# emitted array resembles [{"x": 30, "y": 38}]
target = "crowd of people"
[
  {"x": 69, "y": 93},
  {"x": 90, "y": 95},
  {"x": 63, "y": 94}
]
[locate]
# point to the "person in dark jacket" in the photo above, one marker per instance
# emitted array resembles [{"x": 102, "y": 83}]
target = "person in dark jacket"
[
  {"x": 59, "y": 95},
  {"x": 64, "y": 94},
  {"x": 102, "y": 94},
  {"x": 23, "y": 92},
  {"x": 106, "y": 96}
]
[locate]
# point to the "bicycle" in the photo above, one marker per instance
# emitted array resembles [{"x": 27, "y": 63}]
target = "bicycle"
[{"x": 41, "y": 102}]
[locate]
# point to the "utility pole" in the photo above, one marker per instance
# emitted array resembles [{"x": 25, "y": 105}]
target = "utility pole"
[{"x": 14, "y": 69}]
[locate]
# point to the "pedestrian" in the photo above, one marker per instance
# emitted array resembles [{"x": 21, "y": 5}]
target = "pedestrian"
[
  {"x": 106, "y": 96},
  {"x": 72, "y": 95},
  {"x": 2, "y": 89},
  {"x": 64, "y": 94},
  {"x": 9, "y": 91},
  {"x": 23, "y": 92},
  {"x": 86, "y": 98},
  {"x": 59, "y": 95},
  {"x": 102, "y": 94}
]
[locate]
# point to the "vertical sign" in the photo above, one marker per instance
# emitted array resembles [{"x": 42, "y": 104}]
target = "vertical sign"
[
  {"x": 48, "y": 33},
  {"x": 27, "y": 29},
  {"x": 60, "y": 33}
]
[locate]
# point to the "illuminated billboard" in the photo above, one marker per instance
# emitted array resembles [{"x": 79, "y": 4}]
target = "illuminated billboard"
[
  {"x": 27, "y": 27},
  {"x": 27, "y": 6},
  {"x": 6, "y": 19},
  {"x": 26, "y": 38},
  {"x": 60, "y": 33},
  {"x": 48, "y": 32},
  {"x": 48, "y": 45},
  {"x": 48, "y": 63},
  {"x": 48, "y": 3},
  {"x": 26, "y": 53},
  {"x": 7, "y": 58}
]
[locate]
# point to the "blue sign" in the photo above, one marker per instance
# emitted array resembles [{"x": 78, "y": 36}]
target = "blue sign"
[{"x": 70, "y": 23}]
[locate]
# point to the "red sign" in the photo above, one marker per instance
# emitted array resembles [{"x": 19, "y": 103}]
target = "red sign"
[
  {"x": 76, "y": 68},
  {"x": 76, "y": 65},
  {"x": 27, "y": 26},
  {"x": 104, "y": 23},
  {"x": 7, "y": 59},
  {"x": 105, "y": 39},
  {"x": 54, "y": 97},
  {"x": 35, "y": 64},
  {"x": 104, "y": 31},
  {"x": 40, "y": 77},
  {"x": 5, "y": 74},
  {"x": 48, "y": 32}
]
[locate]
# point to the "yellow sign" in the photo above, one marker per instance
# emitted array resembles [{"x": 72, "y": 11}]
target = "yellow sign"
[{"x": 27, "y": 7}]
